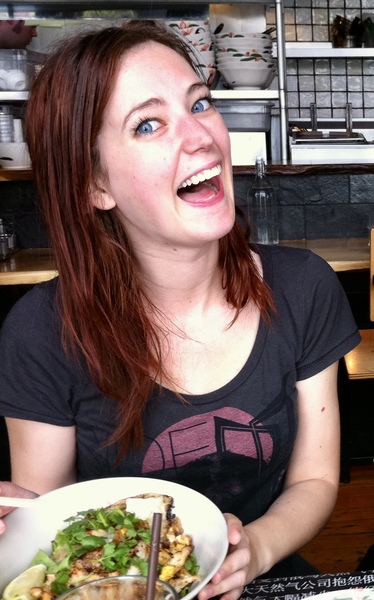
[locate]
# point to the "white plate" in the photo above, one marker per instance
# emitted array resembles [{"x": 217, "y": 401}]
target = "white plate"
[
  {"x": 351, "y": 594},
  {"x": 29, "y": 529}
]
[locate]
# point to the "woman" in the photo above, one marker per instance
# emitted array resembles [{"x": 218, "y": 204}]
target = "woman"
[{"x": 168, "y": 346}]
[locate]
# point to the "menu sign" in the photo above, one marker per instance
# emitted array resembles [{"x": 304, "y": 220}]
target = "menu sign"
[{"x": 342, "y": 586}]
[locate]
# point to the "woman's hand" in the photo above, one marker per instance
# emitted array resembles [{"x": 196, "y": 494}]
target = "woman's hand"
[
  {"x": 238, "y": 568},
  {"x": 9, "y": 489}
]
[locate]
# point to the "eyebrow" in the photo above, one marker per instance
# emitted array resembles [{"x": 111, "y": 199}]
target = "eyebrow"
[{"x": 158, "y": 102}]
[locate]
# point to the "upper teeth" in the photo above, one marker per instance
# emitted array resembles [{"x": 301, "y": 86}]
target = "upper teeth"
[{"x": 202, "y": 176}]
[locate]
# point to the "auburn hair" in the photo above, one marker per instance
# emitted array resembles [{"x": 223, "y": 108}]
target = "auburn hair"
[{"x": 103, "y": 306}]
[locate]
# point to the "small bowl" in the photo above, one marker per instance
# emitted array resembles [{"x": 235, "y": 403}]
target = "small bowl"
[
  {"x": 243, "y": 35},
  {"x": 242, "y": 59},
  {"x": 239, "y": 78},
  {"x": 239, "y": 45},
  {"x": 250, "y": 57}
]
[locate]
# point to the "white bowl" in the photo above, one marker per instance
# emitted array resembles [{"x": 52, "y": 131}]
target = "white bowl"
[
  {"x": 242, "y": 78},
  {"x": 205, "y": 58},
  {"x": 226, "y": 41},
  {"x": 244, "y": 45},
  {"x": 202, "y": 47},
  {"x": 253, "y": 58},
  {"x": 243, "y": 36},
  {"x": 209, "y": 74},
  {"x": 31, "y": 529},
  {"x": 242, "y": 60},
  {"x": 190, "y": 28},
  {"x": 14, "y": 155}
]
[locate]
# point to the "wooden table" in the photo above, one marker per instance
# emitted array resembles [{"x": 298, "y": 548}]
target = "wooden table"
[
  {"x": 28, "y": 267},
  {"x": 37, "y": 264},
  {"x": 344, "y": 254}
]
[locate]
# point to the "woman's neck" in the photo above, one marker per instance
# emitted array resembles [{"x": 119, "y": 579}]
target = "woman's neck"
[{"x": 177, "y": 280}]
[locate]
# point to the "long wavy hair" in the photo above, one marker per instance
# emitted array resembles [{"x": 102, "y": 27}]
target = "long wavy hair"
[{"x": 103, "y": 306}]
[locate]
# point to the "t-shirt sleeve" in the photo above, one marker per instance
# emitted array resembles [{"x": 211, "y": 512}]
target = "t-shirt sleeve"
[
  {"x": 329, "y": 328},
  {"x": 35, "y": 379}
]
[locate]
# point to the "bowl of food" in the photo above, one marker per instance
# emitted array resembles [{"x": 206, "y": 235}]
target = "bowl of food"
[{"x": 51, "y": 539}]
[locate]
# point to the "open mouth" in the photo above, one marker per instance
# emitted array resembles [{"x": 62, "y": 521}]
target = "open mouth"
[{"x": 202, "y": 187}]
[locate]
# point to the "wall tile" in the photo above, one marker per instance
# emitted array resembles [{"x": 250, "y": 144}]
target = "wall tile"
[
  {"x": 326, "y": 221},
  {"x": 362, "y": 188},
  {"x": 311, "y": 20},
  {"x": 291, "y": 222}
]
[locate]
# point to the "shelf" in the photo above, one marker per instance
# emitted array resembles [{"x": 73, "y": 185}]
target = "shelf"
[
  {"x": 13, "y": 96},
  {"x": 329, "y": 52},
  {"x": 16, "y": 175},
  {"x": 245, "y": 94},
  {"x": 323, "y": 50}
]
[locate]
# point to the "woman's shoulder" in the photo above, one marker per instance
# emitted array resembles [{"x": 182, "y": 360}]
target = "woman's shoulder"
[
  {"x": 34, "y": 311},
  {"x": 292, "y": 256},
  {"x": 289, "y": 264}
]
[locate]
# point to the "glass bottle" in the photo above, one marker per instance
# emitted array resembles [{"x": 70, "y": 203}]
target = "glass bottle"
[{"x": 262, "y": 208}]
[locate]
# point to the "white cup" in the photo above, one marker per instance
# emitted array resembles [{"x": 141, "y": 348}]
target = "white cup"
[
  {"x": 3, "y": 78},
  {"x": 16, "y": 80},
  {"x": 18, "y": 130}
]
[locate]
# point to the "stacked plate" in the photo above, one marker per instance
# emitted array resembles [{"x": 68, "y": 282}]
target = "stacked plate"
[
  {"x": 198, "y": 35},
  {"x": 245, "y": 60}
]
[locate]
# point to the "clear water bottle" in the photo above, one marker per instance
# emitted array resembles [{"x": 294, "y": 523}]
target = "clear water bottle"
[
  {"x": 6, "y": 124},
  {"x": 263, "y": 208}
]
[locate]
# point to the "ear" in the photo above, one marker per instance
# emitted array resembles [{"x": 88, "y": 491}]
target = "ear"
[
  {"x": 101, "y": 199},
  {"x": 17, "y": 26}
]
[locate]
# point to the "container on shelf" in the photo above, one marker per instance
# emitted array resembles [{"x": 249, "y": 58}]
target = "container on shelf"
[
  {"x": 14, "y": 155},
  {"x": 6, "y": 125},
  {"x": 18, "y": 69},
  {"x": 245, "y": 115}
]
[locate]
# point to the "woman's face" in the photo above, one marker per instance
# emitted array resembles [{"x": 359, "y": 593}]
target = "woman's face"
[{"x": 160, "y": 135}]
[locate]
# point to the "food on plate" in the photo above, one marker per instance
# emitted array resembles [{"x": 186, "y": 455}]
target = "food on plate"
[{"x": 107, "y": 542}]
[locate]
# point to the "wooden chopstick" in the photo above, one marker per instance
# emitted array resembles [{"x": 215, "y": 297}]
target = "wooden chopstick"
[{"x": 19, "y": 502}]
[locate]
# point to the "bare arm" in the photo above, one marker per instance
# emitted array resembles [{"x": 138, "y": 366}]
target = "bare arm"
[
  {"x": 306, "y": 502},
  {"x": 42, "y": 456}
]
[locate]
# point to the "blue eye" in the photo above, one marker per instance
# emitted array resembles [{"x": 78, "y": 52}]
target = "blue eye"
[
  {"x": 201, "y": 105},
  {"x": 147, "y": 126}
]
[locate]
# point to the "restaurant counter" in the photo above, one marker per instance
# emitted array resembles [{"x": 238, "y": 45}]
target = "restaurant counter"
[
  {"x": 37, "y": 264},
  {"x": 297, "y": 588},
  {"x": 276, "y": 168}
]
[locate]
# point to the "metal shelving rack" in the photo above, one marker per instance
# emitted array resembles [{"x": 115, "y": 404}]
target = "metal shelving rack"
[
  {"x": 277, "y": 94},
  {"x": 280, "y": 93}
]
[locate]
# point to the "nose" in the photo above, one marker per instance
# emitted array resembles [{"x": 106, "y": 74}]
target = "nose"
[
  {"x": 195, "y": 134},
  {"x": 34, "y": 31}
]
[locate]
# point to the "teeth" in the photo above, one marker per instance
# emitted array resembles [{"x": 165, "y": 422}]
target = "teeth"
[{"x": 202, "y": 176}]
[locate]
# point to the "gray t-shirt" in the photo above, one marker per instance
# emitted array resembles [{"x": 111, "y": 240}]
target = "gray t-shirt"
[{"x": 233, "y": 444}]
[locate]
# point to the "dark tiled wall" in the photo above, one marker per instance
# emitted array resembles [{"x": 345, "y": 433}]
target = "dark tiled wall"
[
  {"x": 18, "y": 206},
  {"x": 319, "y": 206},
  {"x": 314, "y": 206},
  {"x": 329, "y": 82}
]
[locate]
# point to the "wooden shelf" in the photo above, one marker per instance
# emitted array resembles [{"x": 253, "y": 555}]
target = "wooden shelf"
[{"x": 16, "y": 174}]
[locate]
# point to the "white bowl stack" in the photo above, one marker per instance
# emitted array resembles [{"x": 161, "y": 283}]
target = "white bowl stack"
[
  {"x": 198, "y": 35},
  {"x": 245, "y": 60}
]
